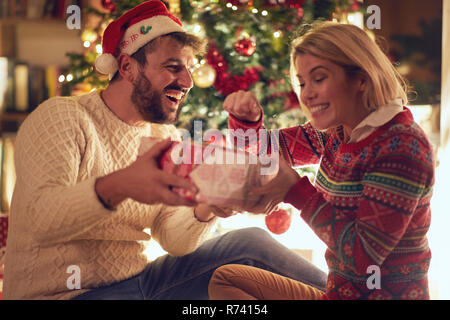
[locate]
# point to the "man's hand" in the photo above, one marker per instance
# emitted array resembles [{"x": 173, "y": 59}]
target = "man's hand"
[
  {"x": 144, "y": 182},
  {"x": 243, "y": 105}
]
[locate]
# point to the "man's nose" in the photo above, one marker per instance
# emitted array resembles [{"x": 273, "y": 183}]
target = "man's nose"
[{"x": 185, "y": 79}]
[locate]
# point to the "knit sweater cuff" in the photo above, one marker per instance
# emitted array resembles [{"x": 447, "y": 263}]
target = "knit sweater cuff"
[
  {"x": 300, "y": 193},
  {"x": 235, "y": 123}
]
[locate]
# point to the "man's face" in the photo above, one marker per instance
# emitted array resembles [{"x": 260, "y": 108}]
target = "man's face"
[{"x": 163, "y": 83}]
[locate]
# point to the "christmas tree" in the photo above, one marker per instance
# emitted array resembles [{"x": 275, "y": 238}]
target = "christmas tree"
[{"x": 248, "y": 50}]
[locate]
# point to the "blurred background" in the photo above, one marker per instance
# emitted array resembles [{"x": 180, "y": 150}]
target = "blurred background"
[{"x": 47, "y": 50}]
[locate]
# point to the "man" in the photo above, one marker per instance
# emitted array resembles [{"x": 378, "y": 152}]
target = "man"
[{"x": 83, "y": 197}]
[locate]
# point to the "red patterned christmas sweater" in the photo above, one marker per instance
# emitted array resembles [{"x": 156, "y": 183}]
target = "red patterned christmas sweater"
[{"x": 370, "y": 204}]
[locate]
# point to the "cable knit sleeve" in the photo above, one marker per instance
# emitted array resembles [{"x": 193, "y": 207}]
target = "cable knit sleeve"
[
  {"x": 178, "y": 231},
  {"x": 57, "y": 202}
]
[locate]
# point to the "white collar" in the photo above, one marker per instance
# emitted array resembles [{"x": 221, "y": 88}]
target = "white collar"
[{"x": 375, "y": 120}]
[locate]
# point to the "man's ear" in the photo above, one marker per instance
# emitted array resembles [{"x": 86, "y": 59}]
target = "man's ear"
[{"x": 127, "y": 67}]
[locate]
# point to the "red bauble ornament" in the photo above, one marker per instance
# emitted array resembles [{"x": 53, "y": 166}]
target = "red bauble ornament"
[
  {"x": 226, "y": 82},
  {"x": 109, "y": 5},
  {"x": 246, "y": 47},
  {"x": 278, "y": 221},
  {"x": 355, "y": 5}
]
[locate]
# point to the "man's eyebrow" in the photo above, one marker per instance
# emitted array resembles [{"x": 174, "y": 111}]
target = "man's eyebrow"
[
  {"x": 312, "y": 70},
  {"x": 172, "y": 60},
  {"x": 178, "y": 62}
]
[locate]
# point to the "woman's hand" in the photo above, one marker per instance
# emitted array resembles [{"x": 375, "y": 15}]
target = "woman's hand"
[
  {"x": 276, "y": 189},
  {"x": 243, "y": 105}
]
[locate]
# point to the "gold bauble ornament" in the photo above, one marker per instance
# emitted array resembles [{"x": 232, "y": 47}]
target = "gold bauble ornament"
[{"x": 204, "y": 76}]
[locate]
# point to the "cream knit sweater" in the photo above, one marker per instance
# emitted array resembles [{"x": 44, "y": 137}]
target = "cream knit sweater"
[{"x": 56, "y": 219}]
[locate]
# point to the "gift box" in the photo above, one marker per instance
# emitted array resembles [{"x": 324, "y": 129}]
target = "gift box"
[
  {"x": 181, "y": 165},
  {"x": 223, "y": 176}
]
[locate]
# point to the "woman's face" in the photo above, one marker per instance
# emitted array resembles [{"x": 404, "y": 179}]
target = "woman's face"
[{"x": 328, "y": 95}]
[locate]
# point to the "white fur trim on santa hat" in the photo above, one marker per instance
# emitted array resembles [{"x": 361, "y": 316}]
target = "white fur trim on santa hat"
[
  {"x": 139, "y": 34},
  {"x": 106, "y": 63}
]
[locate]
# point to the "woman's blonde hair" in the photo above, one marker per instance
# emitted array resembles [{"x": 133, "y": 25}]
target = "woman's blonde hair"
[{"x": 351, "y": 48}]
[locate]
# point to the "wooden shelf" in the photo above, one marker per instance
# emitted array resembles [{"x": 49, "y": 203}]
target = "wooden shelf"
[
  {"x": 11, "y": 121},
  {"x": 32, "y": 20},
  {"x": 13, "y": 116}
]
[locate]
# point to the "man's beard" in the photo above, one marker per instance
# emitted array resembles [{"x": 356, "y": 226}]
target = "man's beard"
[{"x": 149, "y": 103}]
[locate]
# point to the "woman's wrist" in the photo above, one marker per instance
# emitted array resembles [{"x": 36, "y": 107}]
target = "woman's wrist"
[{"x": 300, "y": 192}]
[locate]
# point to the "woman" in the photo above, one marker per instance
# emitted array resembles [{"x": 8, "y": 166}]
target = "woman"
[{"x": 370, "y": 202}]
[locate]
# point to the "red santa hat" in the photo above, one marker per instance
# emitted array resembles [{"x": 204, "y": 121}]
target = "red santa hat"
[{"x": 134, "y": 29}]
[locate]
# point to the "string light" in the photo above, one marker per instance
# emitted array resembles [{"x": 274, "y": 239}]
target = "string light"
[
  {"x": 264, "y": 13},
  {"x": 69, "y": 77},
  {"x": 197, "y": 28},
  {"x": 203, "y": 110},
  {"x": 61, "y": 78},
  {"x": 88, "y": 35},
  {"x": 357, "y": 19},
  {"x": 86, "y": 44}
]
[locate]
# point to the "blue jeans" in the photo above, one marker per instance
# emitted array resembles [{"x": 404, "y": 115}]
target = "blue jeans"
[{"x": 187, "y": 277}]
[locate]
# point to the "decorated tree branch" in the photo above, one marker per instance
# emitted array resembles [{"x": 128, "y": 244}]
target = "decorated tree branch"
[{"x": 248, "y": 50}]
